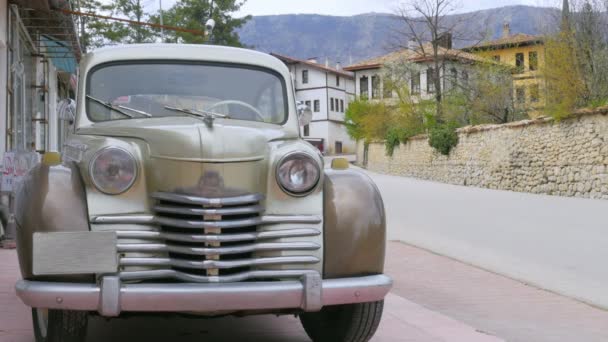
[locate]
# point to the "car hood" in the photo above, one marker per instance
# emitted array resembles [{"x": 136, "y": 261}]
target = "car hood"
[{"x": 190, "y": 139}]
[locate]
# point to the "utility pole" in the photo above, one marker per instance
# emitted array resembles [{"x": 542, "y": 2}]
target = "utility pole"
[{"x": 162, "y": 30}]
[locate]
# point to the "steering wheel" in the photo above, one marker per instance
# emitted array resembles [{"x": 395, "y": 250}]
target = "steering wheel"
[{"x": 240, "y": 103}]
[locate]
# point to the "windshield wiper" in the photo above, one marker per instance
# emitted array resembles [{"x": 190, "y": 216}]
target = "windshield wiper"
[
  {"x": 207, "y": 116},
  {"x": 140, "y": 112},
  {"x": 119, "y": 109}
]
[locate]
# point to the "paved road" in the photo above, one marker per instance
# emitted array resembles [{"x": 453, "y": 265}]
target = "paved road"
[{"x": 557, "y": 243}]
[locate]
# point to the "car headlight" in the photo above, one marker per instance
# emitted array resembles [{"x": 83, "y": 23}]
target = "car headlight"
[
  {"x": 298, "y": 173},
  {"x": 113, "y": 170}
]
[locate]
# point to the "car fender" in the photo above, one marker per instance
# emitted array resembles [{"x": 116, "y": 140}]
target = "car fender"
[
  {"x": 50, "y": 198},
  {"x": 355, "y": 225}
]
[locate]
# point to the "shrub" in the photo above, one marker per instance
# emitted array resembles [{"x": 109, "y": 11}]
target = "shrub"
[
  {"x": 443, "y": 137},
  {"x": 393, "y": 138}
]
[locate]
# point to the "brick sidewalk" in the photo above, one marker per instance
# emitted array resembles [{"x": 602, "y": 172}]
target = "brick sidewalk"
[{"x": 446, "y": 301}]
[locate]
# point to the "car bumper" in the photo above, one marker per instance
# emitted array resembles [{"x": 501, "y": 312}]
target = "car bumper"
[{"x": 111, "y": 297}]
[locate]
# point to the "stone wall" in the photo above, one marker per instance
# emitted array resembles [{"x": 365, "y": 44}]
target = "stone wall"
[{"x": 567, "y": 158}]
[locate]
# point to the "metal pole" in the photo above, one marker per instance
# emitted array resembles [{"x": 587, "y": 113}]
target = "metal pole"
[{"x": 162, "y": 30}]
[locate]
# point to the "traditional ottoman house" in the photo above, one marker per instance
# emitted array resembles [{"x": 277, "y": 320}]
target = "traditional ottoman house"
[
  {"x": 327, "y": 91},
  {"x": 455, "y": 67},
  {"x": 526, "y": 53}
]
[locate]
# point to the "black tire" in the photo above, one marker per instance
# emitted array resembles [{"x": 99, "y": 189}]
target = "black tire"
[
  {"x": 59, "y": 325},
  {"x": 343, "y": 323}
]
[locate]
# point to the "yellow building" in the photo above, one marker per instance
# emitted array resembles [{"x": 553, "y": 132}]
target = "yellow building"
[{"x": 526, "y": 53}]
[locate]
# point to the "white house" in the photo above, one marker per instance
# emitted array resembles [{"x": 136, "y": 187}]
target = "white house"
[
  {"x": 327, "y": 91},
  {"x": 455, "y": 68}
]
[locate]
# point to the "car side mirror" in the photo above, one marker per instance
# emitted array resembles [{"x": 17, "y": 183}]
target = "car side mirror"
[{"x": 304, "y": 113}]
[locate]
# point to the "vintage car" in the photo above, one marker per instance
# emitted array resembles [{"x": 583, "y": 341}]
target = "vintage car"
[{"x": 185, "y": 187}]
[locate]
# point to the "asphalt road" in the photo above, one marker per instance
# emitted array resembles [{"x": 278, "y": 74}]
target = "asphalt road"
[{"x": 556, "y": 243}]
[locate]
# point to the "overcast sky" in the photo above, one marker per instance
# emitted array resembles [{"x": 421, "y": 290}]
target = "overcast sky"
[{"x": 351, "y": 7}]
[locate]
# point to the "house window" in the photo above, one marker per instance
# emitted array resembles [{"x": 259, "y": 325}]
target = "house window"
[
  {"x": 453, "y": 80},
  {"x": 307, "y": 103},
  {"x": 304, "y": 76},
  {"x": 387, "y": 90},
  {"x": 306, "y": 130},
  {"x": 533, "y": 60},
  {"x": 496, "y": 58},
  {"x": 331, "y": 104},
  {"x": 317, "y": 106},
  {"x": 337, "y": 80},
  {"x": 465, "y": 77},
  {"x": 430, "y": 80},
  {"x": 338, "y": 147},
  {"x": 363, "y": 87},
  {"x": 415, "y": 83},
  {"x": 520, "y": 95},
  {"x": 342, "y": 106},
  {"x": 534, "y": 93},
  {"x": 519, "y": 62},
  {"x": 375, "y": 87}
]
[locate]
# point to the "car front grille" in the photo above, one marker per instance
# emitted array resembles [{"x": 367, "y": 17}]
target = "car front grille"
[{"x": 228, "y": 239}]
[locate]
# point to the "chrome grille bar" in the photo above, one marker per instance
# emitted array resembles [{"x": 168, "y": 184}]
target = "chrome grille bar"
[
  {"x": 246, "y": 248},
  {"x": 173, "y": 274},
  {"x": 207, "y": 264},
  {"x": 170, "y": 209},
  {"x": 220, "y": 201},
  {"x": 165, "y": 221},
  {"x": 274, "y": 234},
  {"x": 182, "y": 223}
]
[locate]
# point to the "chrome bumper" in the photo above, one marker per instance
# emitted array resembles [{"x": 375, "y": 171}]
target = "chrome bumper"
[{"x": 110, "y": 298}]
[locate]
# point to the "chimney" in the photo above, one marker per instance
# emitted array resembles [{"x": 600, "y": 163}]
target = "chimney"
[
  {"x": 338, "y": 66},
  {"x": 445, "y": 40},
  {"x": 506, "y": 30},
  {"x": 327, "y": 62},
  {"x": 312, "y": 60}
]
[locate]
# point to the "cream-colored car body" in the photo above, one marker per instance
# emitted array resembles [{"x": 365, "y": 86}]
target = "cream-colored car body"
[{"x": 286, "y": 243}]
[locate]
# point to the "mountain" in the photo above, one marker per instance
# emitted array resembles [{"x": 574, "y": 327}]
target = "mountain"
[{"x": 354, "y": 38}]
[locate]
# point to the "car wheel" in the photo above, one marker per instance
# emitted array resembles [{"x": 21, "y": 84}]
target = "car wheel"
[
  {"x": 59, "y": 325},
  {"x": 343, "y": 323}
]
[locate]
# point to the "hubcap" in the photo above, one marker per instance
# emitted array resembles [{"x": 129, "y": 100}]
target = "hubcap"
[{"x": 42, "y": 316}]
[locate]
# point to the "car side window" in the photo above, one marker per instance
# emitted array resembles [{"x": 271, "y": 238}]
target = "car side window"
[{"x": 270, "y": 101}]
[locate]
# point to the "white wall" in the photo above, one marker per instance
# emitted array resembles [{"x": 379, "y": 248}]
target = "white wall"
[
  {"x": 337, "y": 132},
  {"x": 322, "y": 86},
  {"x": 3, "y": 73}
]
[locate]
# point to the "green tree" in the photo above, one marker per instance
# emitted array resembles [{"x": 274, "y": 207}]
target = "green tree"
[
  {"x": 133, "y": 10},
  {"x": 93, "y": 31},
  {"x": 193, "y": 14}
]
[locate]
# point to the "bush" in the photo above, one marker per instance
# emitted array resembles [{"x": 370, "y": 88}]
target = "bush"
[
  {"x": 393, "y": 138},
  {"x": 443, "y": 137}
]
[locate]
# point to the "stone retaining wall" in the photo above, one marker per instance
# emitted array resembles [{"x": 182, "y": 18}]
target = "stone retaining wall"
[{"x": 567, "y": 158}]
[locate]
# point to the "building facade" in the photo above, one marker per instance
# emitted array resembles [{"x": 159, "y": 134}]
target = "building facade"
[
  {"x": 38, "y": 54},
  {"x": 526, "y": 54},
  {"x": 327, "y": 91},
  {"x": 455, "y": 68}
]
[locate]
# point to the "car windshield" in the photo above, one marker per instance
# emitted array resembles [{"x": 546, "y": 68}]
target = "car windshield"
[{"x": 144, "y": 90}]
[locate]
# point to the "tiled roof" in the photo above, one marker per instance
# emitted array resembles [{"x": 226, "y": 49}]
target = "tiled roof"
[
  {"x": 292, "y": 60},
  {"x": 514, "y": 39},
  {"x": 419, "y": 55}
]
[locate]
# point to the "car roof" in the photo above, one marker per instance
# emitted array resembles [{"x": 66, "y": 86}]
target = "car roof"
[{"x": 184, "y": 52}]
